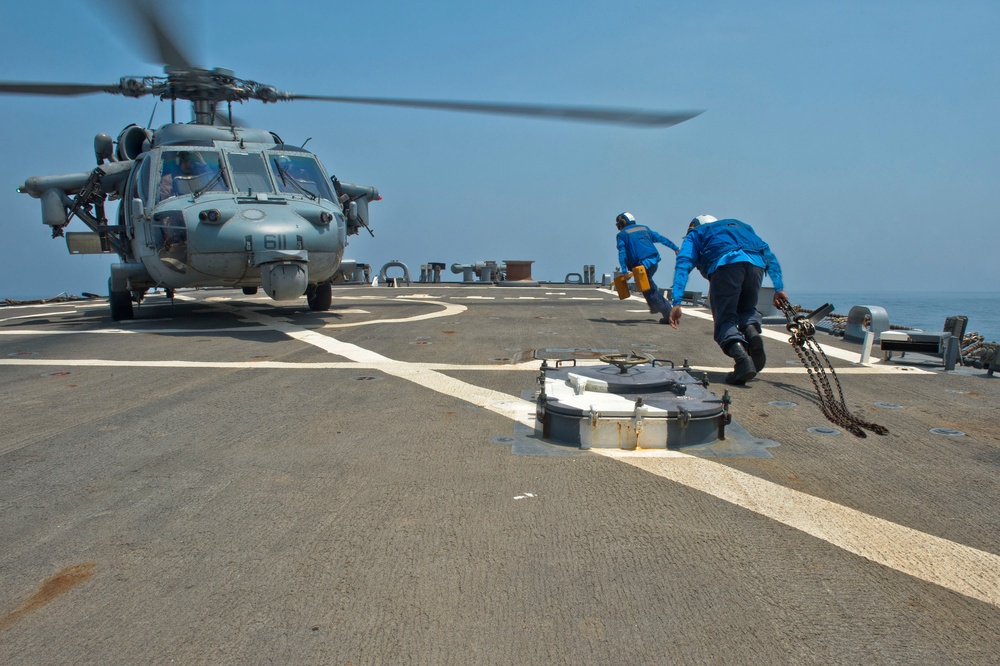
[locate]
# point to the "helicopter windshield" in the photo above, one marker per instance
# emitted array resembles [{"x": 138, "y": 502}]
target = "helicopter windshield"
[
  {"x": 189, "y": 172},
  {"x": 299, "y": 174},
  {"x": 250, "y": 173}
]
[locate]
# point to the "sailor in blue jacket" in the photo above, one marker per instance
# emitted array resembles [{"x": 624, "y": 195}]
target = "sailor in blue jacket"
[
  {"x": 733, "y": 258},
  {"x": 635, "y": 247}
]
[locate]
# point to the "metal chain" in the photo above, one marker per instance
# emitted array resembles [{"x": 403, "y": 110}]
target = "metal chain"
[{"x": 816, "y": 363}]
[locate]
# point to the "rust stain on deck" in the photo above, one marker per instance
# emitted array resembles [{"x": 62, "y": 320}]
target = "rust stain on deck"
[{"x": 62, "y": 582}]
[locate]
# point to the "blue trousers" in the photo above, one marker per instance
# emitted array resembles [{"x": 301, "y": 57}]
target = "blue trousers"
[
  {"x": 653, "y": 296},
  {"x": 732, "y": 293}
]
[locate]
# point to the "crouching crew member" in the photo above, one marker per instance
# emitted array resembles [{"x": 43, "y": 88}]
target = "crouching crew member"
[{"x": 733, "y": 258}]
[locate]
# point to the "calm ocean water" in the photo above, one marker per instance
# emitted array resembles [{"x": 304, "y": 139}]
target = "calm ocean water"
[{"x": 917, "y": 309}]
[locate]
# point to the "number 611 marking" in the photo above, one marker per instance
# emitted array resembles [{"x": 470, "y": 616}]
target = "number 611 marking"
[{"x": 280, "y": 242}]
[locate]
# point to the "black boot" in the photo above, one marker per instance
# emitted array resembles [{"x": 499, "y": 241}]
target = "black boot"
[
  {"x": 744, "y": 369},
  {"x": 755, "y": 343}
]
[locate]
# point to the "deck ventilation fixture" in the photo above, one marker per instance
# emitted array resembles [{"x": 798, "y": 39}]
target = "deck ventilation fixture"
[{"x": 631, "y": 401}]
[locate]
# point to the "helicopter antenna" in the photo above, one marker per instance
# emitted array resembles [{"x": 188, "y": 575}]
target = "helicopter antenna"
[
  {"x": 150, "y": 124},
  {"x": 305, "y": 142}
]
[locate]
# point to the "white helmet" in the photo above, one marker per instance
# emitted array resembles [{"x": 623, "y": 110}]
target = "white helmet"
[
  {"x": 700, "y": 220},
  {"x": 624, "y": 219}
]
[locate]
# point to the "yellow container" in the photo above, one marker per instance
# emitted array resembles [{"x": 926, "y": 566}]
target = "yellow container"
[
  {"x": 621, "y": 286},
  {"x": 641, "y": 279}
]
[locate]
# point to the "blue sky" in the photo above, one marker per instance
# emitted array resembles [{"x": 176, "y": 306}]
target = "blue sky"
[{"x": 860, "y": 139}]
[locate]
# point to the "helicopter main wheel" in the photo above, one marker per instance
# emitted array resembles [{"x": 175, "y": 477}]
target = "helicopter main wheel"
[
  {"x": 249, "y": 291},
  {"x": 321, "y": 298},
  {"x": 121, "y": 304}
]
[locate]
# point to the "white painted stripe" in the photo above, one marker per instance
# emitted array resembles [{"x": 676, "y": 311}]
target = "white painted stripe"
[
  {"x": 447, "y": 310},
  {"x": 34, "y": 315},
  {"x": 259, "y": 365},
  {"x": 531, "y": 366},
  {"x": 149, "y": 330},
  {"x": 969, "y": 571},
  {"x": 60, "y": 304}
]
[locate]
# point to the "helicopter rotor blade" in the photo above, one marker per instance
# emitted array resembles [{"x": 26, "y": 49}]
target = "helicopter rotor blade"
[
  {"x": 61, "y": 89},
  {"x": 149, "y": 31},
  {"x": 577, "y": 113},
  {"x": 167, "y": 47}
]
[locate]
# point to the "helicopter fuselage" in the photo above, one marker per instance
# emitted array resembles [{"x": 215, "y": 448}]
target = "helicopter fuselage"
[{"x": 207, "y": 206}]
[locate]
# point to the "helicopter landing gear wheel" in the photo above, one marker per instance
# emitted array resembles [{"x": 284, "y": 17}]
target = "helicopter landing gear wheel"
[
  {"x": 627, "y": 360},
  {"x": 321, "y": 298},
  {"x": 249, "y": 291},
  {"x": 121, "y": 304}
]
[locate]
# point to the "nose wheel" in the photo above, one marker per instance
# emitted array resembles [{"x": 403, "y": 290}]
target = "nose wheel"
[
  {"x": 320, "y": 297},
  {"x": 121, "y": 304}
]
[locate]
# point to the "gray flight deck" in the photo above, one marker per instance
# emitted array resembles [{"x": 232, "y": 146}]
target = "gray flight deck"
[{"x": 223, "y": 481}]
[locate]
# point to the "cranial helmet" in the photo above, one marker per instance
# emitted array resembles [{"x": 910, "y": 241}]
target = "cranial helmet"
[
  {"x": 623, "y": 219},
  {"x": 700, "y": 220}
]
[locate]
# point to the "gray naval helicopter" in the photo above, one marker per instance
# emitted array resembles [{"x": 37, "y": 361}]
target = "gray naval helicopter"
[{"x": 210, "y": 203}]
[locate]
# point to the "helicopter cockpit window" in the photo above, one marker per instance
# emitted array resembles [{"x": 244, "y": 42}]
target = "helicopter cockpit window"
[
  {"x": 300, "y": 174},
  {"x": 250, "y": 173},
  {"x": 142, "y": 181},
  {"x": 190, "y": 172}
]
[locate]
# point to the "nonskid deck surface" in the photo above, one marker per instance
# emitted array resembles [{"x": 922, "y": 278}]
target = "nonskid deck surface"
[{"x": 227, "y": 480}]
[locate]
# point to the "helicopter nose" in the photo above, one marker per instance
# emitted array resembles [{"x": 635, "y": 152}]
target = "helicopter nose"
[{"x": 284, "y": 280}]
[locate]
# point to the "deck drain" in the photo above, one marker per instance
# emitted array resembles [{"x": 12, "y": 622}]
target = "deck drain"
[
  {"x": 783, "y": 403},
  {"x": 23, "y": 353},
  {"x": 61, "y": 373},
  {"x": 947, "y": 432},
  {"x": 824, "y": 430},
  {"x": 888, "y": 405},
  {"x": 366, "y": 378}
]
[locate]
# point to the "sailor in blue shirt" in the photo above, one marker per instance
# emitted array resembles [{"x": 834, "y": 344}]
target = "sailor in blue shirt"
[
  {"x": 733, "y": 258},
  {"x": 635, "y": 247}
]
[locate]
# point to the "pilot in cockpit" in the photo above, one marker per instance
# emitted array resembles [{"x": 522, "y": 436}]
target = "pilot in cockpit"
[
  {"x": 293, "y": 176},
  {"x": 185, "y": 165}
]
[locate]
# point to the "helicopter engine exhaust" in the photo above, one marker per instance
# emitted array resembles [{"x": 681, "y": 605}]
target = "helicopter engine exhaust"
[{"x": 284, "y": 280}]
